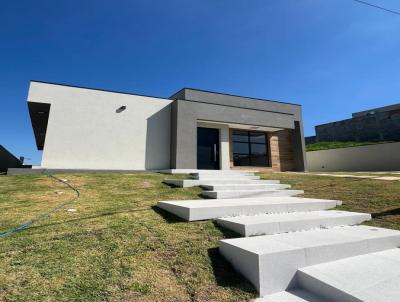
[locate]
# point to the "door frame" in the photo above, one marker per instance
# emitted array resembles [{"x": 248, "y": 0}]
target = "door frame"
[{"x": 217, "y": 149}]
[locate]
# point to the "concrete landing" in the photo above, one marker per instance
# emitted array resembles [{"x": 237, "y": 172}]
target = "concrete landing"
[
  {"x": 250, "y": 193},
  {"x": 185, "y": 183},
  {"x": 241, "y": 187},
  {"x": 192, "y": 210},
  {"x": 270, "y": 262},
  {"x": 372, "y": 278},
  {"x": 266, "y": 224}
]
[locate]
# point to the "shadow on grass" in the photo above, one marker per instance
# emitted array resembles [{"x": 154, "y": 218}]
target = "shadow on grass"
[
  {"x": 228, "y": 234},
  {"x": 225, "y": 274},
  {"x": 168, "y": 217},
  {"x": 90, "y": 217},
  {"x": 170, "y": 185},
  {"x": 386, "y": 213}
]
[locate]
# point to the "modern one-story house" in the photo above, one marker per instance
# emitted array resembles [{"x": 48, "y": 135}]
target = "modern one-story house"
[{"x": 95, "y": 129}]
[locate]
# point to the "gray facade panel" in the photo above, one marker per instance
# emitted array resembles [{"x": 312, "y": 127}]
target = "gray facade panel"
[
  {"x": 300, "y": 159},
  {"x": 174, "y": 117},
  {"x": 239, "y": 101},
  {"x": 184, "y": 133}
]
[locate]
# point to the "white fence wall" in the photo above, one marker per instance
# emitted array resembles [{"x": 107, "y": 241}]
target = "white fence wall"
[{"x": 379, "y": 157}]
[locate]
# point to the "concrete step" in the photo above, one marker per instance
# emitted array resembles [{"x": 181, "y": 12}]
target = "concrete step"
[
  {"x": 192, "y": 171},
  {"x": 192, "y": 210},
  {"x": 223, "y": 172},
  {"x": 225, "y": 176},
  {"x": 372, "y": 277},
  {"x": 270, "y": 262},
  {"x": 267, "y": 224},
  {"x": 250, "y": 193},
  {"x": 241, "y": 187},
  {"x": 184, "y": 183},
  {"x": 295, "y": 295}
]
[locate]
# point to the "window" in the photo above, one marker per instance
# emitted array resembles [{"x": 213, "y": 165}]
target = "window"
[{"x": 249, "y": 148}]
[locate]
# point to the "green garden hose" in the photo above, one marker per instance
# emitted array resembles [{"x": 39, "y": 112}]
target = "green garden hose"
[{"x": 27, "y": 224}]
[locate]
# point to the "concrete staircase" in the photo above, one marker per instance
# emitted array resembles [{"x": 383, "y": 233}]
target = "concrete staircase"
[
  {"x": 293, "y": 248},
  {"x": 221, "y": 184}
]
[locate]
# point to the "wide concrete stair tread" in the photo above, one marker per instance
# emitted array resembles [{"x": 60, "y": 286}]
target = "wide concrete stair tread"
[
  {"x": 226, "y": 176},
  {"x": 197, "y": 182},
  {"x": 192, "y": 210},
  {"x": 373, "y": 277},
  {"x": 264, "y": 224},
  {"x": 230, "y": 172},
  {"x": 193, "y": 171},
  {"x": 270, "y": 262},
  {"x": 241, "y": 187},
  {"x": 250, "y": 193},
  {"x": 295, "y": 295}
]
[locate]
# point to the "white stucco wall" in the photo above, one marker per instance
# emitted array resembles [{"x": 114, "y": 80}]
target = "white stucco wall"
[
  {"x": 379, "y": 157},
  {"x": 85, "y": 131}
]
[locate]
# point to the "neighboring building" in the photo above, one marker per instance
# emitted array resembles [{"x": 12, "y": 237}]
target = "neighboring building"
[
  {"x": 8, "y": 160},
  {"x": 380, "y": 124},
  {"x": 83, "y": 128}
]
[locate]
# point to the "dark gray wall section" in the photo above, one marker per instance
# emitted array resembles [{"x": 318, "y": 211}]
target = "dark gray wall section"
[
  {"x": 238, "y": 101},
  {"x": 174, "y": 125},
  {"x": 200, "y": 105},
  {"x": 299, "y": 154},
  {"x": 380, "y": 126},
  {"x": 7, "y": 160},
  {"x": 380, "y": 109}
]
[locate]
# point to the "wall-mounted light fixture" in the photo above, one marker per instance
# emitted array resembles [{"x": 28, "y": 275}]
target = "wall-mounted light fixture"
[{"x": 120, "y": 109}]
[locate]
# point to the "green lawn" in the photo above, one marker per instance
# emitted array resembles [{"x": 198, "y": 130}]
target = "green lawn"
[
  {"x": 336, "y": 145},
  {"x": 118, "y": 247}
]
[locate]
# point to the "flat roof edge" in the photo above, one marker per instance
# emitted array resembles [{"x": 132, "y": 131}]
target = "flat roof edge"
[
  {"x": 162, "y": 98},
  {"x": 98, "y": 89},
  {"x": 235, "y": 95}
]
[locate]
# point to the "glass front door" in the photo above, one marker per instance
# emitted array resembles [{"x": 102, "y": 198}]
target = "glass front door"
[{"x": 207, "y": 148}]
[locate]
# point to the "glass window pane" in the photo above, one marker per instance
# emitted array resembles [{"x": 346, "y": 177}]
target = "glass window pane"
[
  {"x": 241, "y": 148},
  {"x": 258, "y": 149},
  {"x": 257, "y": 137},
  {"x": 240, "y": 136},
  {"x": 241, "y": 160},
  {"x": 259, "y": 160}
]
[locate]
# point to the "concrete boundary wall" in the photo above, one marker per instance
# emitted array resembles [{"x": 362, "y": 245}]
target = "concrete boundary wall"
[{"x": 379, "y": 157}]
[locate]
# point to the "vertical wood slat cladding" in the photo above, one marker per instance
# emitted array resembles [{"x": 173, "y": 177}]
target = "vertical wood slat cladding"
[{"x": 281, "y": 150}]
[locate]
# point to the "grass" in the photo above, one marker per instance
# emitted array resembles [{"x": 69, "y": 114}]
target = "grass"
[
  {"x": 335, "y": 145},
  {"x": 115, "y": 247},
  {"x": 118, "y": 247}
]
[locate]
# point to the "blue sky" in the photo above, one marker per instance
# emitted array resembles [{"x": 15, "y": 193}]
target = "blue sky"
[{"x": 332, "y": 56}]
